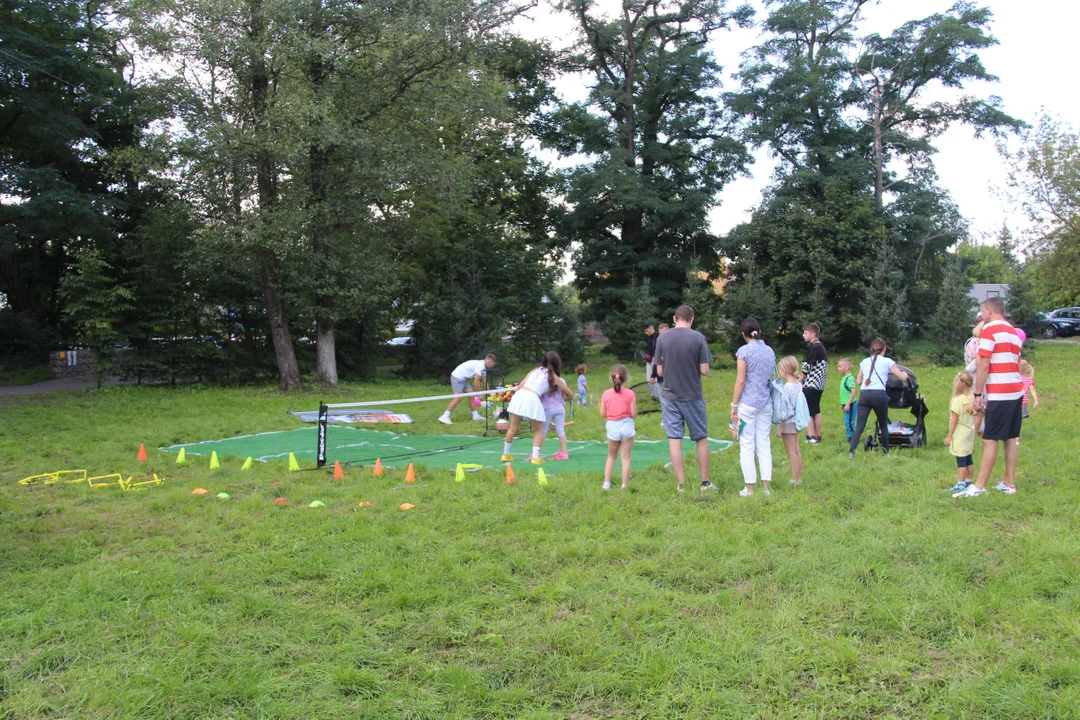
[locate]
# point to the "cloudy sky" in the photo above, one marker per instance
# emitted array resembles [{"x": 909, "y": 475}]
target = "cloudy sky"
[{"x": 1035, "y": 61}]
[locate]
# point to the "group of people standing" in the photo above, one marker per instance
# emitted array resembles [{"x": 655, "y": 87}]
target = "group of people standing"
[
  {"x": 990, "y": 399},
  {"x": 679, "y": 357}
]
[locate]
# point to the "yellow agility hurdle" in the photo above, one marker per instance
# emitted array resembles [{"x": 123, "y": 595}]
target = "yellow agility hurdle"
[
  {"x": 91, "y": 481},
  {"x": 51, "y": 478},
  {"x": 133, "y": 483},
  {"x": 34, "y": 478},
  {"x": 63, "y": 474}
]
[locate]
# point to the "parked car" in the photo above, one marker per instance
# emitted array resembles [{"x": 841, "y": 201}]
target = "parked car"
[
  {"x": 401, "y": 341},
  {"x": 1061, "y": 322}
]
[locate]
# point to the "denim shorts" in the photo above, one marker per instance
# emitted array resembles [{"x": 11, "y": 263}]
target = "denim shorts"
[
  {"x": 678, "y": 414},
  {"x": 618, "y": 430}
]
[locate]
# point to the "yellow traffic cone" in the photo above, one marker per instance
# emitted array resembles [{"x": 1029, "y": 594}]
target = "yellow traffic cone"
[
  {"x": 182, "y": 457},
  {"x": 214, "y": 464},
  {"x": 541, "y": 478},
  {"x": 247, "y": 464},
  {"x": 293, "y": 465},
  {"x": 459, "y": 474}
]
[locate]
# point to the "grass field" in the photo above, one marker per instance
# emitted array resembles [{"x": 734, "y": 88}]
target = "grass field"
[{"x": 866, "y": 593}]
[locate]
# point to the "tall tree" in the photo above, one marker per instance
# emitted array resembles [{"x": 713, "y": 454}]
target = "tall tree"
[
  {"x": 229, "y": 63},
  {"x": 803, "y": 92},
  {"x": 65, "y": 109},
  {"x": 1045, "y": 177},
  {"x": 660, "y": 142},
  {"x": 796, "y": 85},
  {"x": 898, "y": 72},
  {"x": 358, "y": 62}
]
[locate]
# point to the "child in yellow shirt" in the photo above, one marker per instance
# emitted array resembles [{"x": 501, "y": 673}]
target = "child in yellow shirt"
[{"x": 961, "y": 437}]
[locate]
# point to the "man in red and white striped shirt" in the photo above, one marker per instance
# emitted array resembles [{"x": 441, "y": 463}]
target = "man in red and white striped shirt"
[{"x": 999, "y": 388}]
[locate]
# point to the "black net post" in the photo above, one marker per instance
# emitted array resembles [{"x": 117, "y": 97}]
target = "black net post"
[{"x": 321, "y": 450}]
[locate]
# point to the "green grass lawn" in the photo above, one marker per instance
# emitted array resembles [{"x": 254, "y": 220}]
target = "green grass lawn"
[{"x": 866, "y": 593}]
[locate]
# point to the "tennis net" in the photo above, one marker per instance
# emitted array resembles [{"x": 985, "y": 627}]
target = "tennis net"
[{"x": 415, "y": 427}]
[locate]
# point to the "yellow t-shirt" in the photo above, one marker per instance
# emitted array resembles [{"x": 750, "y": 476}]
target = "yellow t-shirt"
[{"x": 963, "y": 437}]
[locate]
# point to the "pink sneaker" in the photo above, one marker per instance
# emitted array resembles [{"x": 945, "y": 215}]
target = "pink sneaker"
[{"x": 562, "y": 456}]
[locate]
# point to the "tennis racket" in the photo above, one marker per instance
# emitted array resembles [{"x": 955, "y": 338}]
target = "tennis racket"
[{"x": 645, "y": 402}]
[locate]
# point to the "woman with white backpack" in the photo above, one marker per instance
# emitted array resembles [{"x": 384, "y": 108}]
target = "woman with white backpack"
[{"x": 752, "y": 407}]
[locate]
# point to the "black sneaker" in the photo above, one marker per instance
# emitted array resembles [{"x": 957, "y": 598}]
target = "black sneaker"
[
  {"x": 851, "y": 455},
  {"x": 707, "y": 486}
]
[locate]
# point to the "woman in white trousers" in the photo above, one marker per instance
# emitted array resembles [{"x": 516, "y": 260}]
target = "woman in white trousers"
[{"x": 751, "y": 407}]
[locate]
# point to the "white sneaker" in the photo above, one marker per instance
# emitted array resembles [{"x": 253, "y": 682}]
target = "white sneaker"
[
  {"x": 606, "y": 486},
  {"x": 795, "y": 482},
  {"x": 1005, "y": 488},
  {"x": 477, "y": 416},
  {"x": 745, "y": 492},
  {"x": 969, "y": 491},
  {"x": 767, "y": 492},
  {"x": 445, "y": 420}
]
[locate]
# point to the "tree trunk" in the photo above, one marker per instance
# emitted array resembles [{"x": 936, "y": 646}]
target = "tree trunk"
[
  {"x": 288, "y": 370},
  {"x": 266, "y": 181},
  {"x": 319, "y": 159},
  {"x": 879, "y": 147},
  {"x": 325, "y": 355}
]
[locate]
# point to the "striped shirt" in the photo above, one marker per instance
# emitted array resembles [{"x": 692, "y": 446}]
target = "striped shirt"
[
  {"x": 1028, "y": 384},
  {"x": 1000, "y": 343}
]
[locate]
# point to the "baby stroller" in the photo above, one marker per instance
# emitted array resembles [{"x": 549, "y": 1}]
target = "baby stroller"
[{"x": 903, "y": 395}]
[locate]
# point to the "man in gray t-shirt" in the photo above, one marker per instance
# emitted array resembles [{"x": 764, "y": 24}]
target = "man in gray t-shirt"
[{"x": 682, "y": 358}]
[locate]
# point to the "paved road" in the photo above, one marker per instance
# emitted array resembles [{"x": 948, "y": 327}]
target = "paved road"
[{"x": 50, "y": 386}]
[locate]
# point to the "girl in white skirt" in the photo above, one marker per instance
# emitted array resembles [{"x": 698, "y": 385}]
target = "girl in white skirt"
[{"x": 527, "y": 404}]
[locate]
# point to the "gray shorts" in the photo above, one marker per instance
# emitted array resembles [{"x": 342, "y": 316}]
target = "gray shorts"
[
  {"x": 459, "y": 386},
  {"x": 677, "y": 413},
  {"x": 557, "y": 416}
]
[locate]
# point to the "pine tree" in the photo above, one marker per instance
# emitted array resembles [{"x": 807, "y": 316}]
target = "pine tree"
[
  {"x": 625, "y": 326},
  {"x": 950, "y": 326},
  {"x": 884, "y": 307},
  {"x": 1021, "y": 305},
  {"x": 700, "y": 295},
  {"x": 94, "y": 304},
  {"x": 747, "y": 297}
]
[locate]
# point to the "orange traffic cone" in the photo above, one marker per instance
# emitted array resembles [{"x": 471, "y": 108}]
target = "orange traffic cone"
[
  {"x": 410, "y": 474},
  {"x": 509, "y": 474},
  {"x": 142, "y": 453},
  {"x": 339, "y": 474},
  {"x": 378, "y": 468}
]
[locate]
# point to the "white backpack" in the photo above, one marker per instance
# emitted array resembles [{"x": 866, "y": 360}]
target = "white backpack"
[{"x": 784, "y": 411}]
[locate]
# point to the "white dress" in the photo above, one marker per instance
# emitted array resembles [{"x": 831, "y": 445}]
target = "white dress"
[{"x": 526, "y": 401}]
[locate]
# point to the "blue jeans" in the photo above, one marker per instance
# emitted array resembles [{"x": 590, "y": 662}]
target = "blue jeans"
[
  {"x": 583, "y": 398},
  {"x": 849, "y": 418}
]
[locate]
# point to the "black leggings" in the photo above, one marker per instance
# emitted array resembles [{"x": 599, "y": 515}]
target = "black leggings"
[{"x": 879, "y": 402}]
